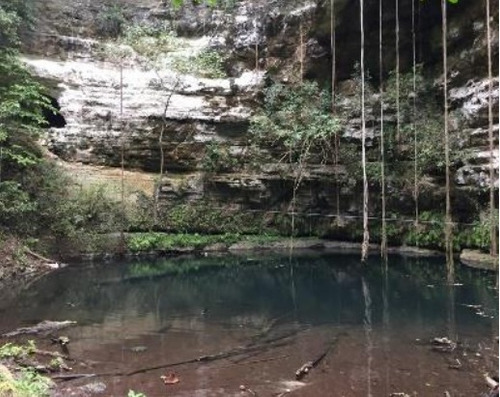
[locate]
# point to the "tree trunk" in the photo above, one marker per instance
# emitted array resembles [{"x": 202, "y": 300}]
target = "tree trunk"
[
  {"x": 366, "y": 235},
  {"x": 383, "y": 243},
  {"x": 493, "y": 221},
  {"x": 448, "y": 224}
]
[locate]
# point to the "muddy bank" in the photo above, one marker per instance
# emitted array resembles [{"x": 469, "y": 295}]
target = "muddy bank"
[{"x": 360, "y": 363}]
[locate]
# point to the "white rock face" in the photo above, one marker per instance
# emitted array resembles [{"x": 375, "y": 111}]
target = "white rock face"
[
  {"x": 473, "y": 97},
  {"x": 104, "y": 106},
  {"x": 471, "y": 102}
]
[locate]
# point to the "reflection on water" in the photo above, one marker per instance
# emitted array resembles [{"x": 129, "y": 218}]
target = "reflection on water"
[
  {"x": 322, "y": 289},
  {"x": 202, "y": 305}
]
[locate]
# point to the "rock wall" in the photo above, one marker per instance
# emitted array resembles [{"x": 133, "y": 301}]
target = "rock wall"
[{"x": 262, "y": 40}]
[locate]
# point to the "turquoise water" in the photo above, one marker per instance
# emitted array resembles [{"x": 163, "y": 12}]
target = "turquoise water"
[{"x": 209, "y": 304}]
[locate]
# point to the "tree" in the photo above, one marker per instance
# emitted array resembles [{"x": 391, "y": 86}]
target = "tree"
[{"x": 22, "y": 101}]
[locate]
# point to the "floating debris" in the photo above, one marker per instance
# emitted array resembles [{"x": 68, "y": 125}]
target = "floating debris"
[
  {"x": 471, "y": 306},
  {"x": 456, "y": 365},
  {"x": 443, "y": 345},
  {"x": 138, "y": 349},
  {"x": 170, "y": 379},
  {"x": 61, "y": 340}
]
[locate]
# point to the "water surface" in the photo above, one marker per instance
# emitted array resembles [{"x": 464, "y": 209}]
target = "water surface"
[{"x": 374, "y": 324}]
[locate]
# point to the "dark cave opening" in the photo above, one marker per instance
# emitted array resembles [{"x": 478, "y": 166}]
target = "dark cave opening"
[{"x": 54, "y": 118}]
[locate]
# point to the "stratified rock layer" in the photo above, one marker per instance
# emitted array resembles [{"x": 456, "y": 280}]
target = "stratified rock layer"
[{"x": 126, "y": 107}]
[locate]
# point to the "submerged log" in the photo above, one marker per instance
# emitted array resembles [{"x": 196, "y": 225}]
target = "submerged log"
[
  {"x": 304, "y": 370},
  {"x": 306, "y": 367},
  {"x": 270, "y": 343},
  {"x": 44, "y": 327},
  {"x": 72, "y": 376},
  {"x": 46, "y": 261},
  {"x": 207, "y": 358}
]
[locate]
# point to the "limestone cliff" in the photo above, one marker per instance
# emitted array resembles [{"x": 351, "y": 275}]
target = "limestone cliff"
[{"x": 112, "y": 103}]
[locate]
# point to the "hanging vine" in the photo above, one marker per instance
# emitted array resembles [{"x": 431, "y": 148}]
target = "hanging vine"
[
  {"x": 383, "y": 242},
  {"x": 493, "y": 221},
  {"x": 414, "y": 113},
  {"x": 122, "y": 166},
  {"x": 366, "y": 235},
  {"x": 336, "y": 137},
  {"x": 398, "y": 117},
  {"x": 448, "y": 220}
]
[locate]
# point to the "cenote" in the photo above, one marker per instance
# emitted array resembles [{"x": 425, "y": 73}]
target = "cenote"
[{"x": 237, "y": 325}]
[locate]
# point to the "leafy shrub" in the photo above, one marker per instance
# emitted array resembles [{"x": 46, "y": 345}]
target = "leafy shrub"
[
  {"x": 429, "y": 233},
  {"x": 28, "y": 384},
  {"x": 218, "y": 158},
  {"x": 208, "y": 64},
  {"x": 478, "y": 235},
  {"x": 11, "y": 350},
  {"x": 16, "y": 207},
  {"x": 296, "y": 119},
  {"x": 143, "y": 242},
  {"x": 203, "y": 218},
  {"x": 110, "y": 22},
  {"x": 151, "y": 41}
]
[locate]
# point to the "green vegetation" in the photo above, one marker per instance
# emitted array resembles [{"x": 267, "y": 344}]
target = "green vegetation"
[
  {"x": 27, "y": 384},
  {"x": 11, "y": 350},
  {"x": 207, "y": 63},
  {"x": 110, "y": 22},
  {"x": 151, "y": 41},
  {"x": 429, "y": 128},
  {"x": 204, "y": 219},
  {"x": 296, "y": 120},
  {"x": 132, "y": 393},
  {"x": 218, "y": 158},
  {"x": 159, "y": 241},
  {"x": 36, "y": 197},
  {"x": 143, "y": 242},
  {"x": 158, "y": 44}
]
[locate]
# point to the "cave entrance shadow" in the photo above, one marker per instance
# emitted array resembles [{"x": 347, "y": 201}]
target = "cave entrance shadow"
[{"x": 54, "y": 119}]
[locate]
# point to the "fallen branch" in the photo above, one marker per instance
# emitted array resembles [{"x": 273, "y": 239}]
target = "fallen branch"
[
  {"x": 263, "y": 360},
  {"x": 48, "y": 262},
  {"x": 306, "y": 367},
  {"x": 73, "y": 376},
  {"x": 51, "y": 354},
  {"x": 213, "y": 357}
]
